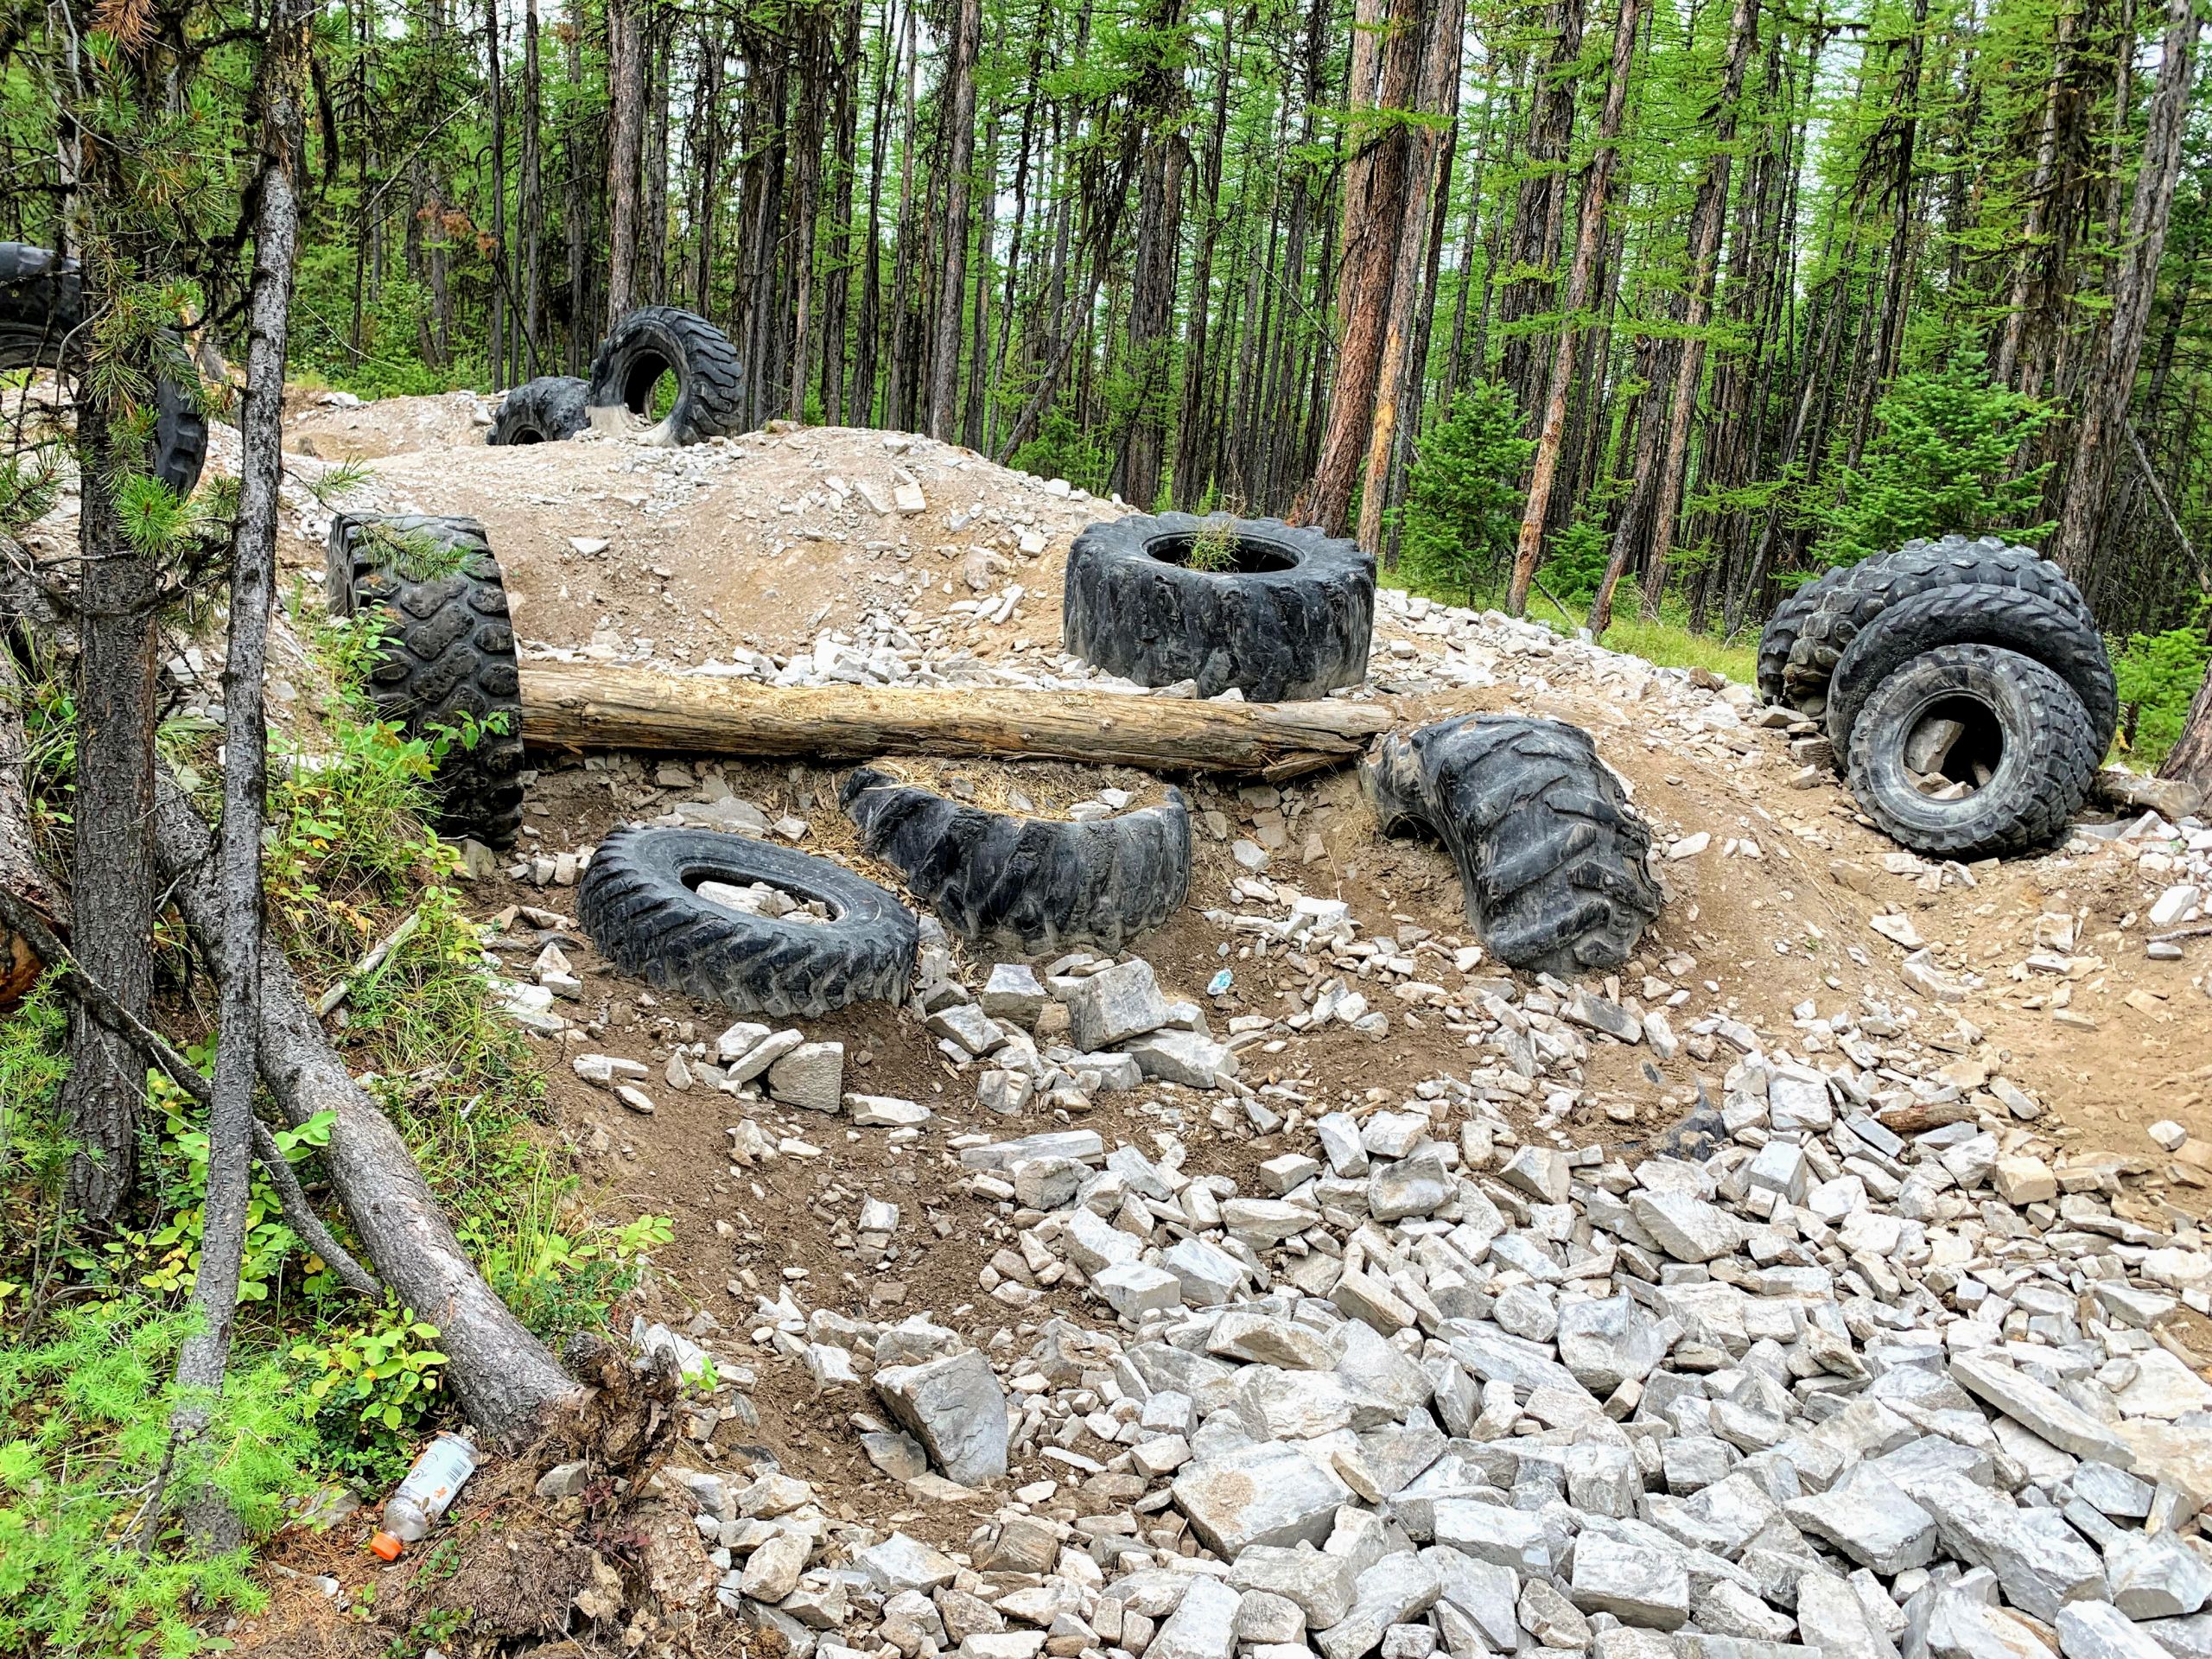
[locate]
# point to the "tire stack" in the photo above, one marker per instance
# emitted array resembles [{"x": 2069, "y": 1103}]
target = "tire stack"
[
  {"x": 1959, "y": 684},
  {"x": 651, "y": 341}
]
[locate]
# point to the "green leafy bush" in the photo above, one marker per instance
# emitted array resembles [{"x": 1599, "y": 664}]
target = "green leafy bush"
[
  {"x": 1940, "y": 461},
  {"x": 2159, "y": 675},
  {"x": 1464, "y": 494}
]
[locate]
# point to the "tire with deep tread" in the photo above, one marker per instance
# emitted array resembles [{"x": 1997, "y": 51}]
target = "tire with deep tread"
[
  {"x": 1554, "y": 861},
  {"x": 1299, "y": 626},
  {"x": 657, "y": 340},
  {"x": 448, "y": 650},
  {"x": 1033, "y": 886},
  {"x": 638, "y": 903},
  {"x": 2042, "y": 773},
  {"x": 42, "y": 326},
  {"x": 2053, "y": 635},
  {"x": 1863, "y": 591},
  {"x": 544, "y": 411},
  {"x": 1781, "y": 634}
]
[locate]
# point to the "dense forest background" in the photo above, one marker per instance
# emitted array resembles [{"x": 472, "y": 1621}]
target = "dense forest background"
[{"x": 1713, "y": 292}]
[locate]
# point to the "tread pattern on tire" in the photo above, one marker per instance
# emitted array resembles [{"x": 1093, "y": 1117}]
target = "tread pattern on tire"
[
  {"x": 1297, "y": 632},
  {"x": 544, "y": 411},
  {"x": 1029, "y": 885},
  {"x": 638, "y": 902},
  {"x": 1781, "y": 634},
  {"x": 710, "y": 395},
  {"x": 42, "y": 326},
  {"x": 2053, "y": 635},
  {"x": 448, "y": 650},
  {"x": 1554, "y": 861},
  {"x": 2049, "y": 757},
  {"x": 1864, "y": 590}
]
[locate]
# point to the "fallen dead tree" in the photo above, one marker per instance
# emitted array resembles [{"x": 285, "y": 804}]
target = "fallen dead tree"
[
  {"x": 506, "y": 1379},
  {"x": 583, "y": 705}
]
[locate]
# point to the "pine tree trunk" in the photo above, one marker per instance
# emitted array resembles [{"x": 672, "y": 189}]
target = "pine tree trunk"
[
  {"x": 952, "y": 288},
  {"x": 531, "y": 204},
  {"x": 495, "y": 96},
  {"x": 1589, "y": 237},
  {"x": 625, "y": 128}
]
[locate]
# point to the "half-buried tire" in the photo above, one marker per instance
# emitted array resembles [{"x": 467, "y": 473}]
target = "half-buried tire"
[
  {"x": 640, "y": 903},
  {"x": 447, "y": 663},
  {"x": 1863, "y": 591},
  {"x": 1290, "y": 615},
  {"x": 660, "y": 339},
  {"x": 1027, "y": 885},
  {"x": 544, "y": 411},
  {"x": 1972, "y": 751},
  {"x": 2053, "y": 635},
  {"x": 1554, "y": 861},
  {"x": 42, "y": 326}
]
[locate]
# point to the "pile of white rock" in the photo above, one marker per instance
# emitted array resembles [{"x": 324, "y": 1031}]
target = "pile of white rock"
[{"x": 1785, "y": 1383}]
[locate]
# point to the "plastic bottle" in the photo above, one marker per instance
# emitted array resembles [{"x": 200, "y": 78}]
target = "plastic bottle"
[{"x": 422, "y": 1497}]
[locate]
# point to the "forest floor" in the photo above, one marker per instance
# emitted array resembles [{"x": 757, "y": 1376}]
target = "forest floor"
[{"x": 766, "y": 543}]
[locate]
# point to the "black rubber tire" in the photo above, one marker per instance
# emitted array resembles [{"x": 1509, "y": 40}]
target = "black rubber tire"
[
  {"x": 638, "y": 902},
  {"x": 1299, "y": 630},
  {"x": 448, "y": 650},
  {"x": 1555, "y": 861},
  {"x": 658, "y": 338},
  {"x": 2027, "y": 623},
  {"x": 544, "y": 411},
  {"x": 1033, "y": 886},
  {"x": 42, "y": 326},
  {"x": 1863, "y": 591},
  {"x": 2042, "y": 776},
  {"x": 1781, "y": 634}
]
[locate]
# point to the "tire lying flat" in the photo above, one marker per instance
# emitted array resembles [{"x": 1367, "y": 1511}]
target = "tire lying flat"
[
  {"x": 660, "y": 339},
  {"x": 1033, "y": 885},
  {"x": 1863, "y": 591},
  {"x": 2019, "y": 722},
  {"x": 1298, "y": 624},
  {"x": 638, "y": 903},
  {"x": 449, "y": 652},
  {"x": 42, "y": 326},
  {"x": 544, "y": 411},
  {"x": 1781, "y": 634},
  {"x": 2053, "y": 635},
  {"x": 1555, "y": 863}
]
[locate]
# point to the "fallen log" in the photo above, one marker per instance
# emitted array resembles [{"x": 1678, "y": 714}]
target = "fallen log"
[
  {"x": 588, "y": 705},
  {"x": 506, "y": 1379}
]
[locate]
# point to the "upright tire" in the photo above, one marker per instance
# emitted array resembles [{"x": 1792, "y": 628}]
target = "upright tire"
[
  {"x": 1781, "y": 634},
  {"x": 448, "y": 652},
  {"x": 544, "y": 411},
  {"x": 2051, "y": 634},
  {"x": 1027, "y": 885},
  {"x": 1554, "y": 861},
  {"x": 1863, "y": 591},
  {"x": 640, "y": 903},
  {"x": 42, "y": 326},
  {"x": 1979, "y": 714},
  {"x": 1293, "y": 619},
  {"x": 660, "y": 339}
]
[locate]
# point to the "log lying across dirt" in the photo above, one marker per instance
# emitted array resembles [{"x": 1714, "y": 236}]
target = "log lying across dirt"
[{"x": 584, "y": 705}]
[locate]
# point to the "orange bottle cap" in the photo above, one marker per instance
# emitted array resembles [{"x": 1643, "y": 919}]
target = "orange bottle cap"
[{"x": 384, "y": 1544}]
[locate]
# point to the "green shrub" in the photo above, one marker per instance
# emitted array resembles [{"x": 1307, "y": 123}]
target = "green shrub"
[
  {"x": 2159, "y": 675},
  {"x": 1464, "y": 494}
]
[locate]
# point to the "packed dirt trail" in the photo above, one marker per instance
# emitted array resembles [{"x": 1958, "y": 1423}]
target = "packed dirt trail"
[{"x": 2020, "y": 994}]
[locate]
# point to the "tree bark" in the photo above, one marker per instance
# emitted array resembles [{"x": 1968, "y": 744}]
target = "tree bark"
[
  {"x": 529, "y": 208},
  {"x": 625, "y": 47},
  {"x": 1160, "y": 96},
  {"x": 953, "y": 289},
  {"x": 506, "y": 1379},
  {"x": 205, "y": 1357},
  {"x": 1589, "y": 237},
  {"x": 1705, "y": 242},
  {"x": 2111, "y": 385},
  {"x": 581, "y": 706},
  {"x": 2191, "y": 759}
]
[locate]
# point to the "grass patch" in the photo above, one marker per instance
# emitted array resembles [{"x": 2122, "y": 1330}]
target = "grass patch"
[{"x": 1666, "y": 643}]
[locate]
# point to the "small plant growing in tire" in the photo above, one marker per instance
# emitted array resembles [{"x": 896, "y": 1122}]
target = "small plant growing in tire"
[{"x": 1213, "y": 549}]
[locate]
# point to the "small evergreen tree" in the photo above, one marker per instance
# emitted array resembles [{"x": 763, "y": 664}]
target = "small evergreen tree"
[
  {"x": 1940, "y": 461},
  {"x": 1464, "y": 494}
]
